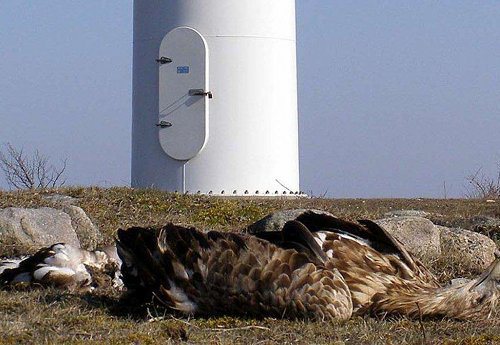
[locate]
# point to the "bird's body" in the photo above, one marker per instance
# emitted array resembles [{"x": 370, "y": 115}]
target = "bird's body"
[{"x": 223, "y": 273}]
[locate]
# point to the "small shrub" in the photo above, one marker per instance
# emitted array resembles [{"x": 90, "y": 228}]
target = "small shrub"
[
  {"x": 23, "y": 171},
  {"x": 482, "y": 186}
]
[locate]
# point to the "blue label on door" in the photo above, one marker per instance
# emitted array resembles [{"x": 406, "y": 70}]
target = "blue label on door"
[{"x": 182, "y": 69}]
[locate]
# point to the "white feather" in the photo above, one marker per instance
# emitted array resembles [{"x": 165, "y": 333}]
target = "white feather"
[
  {"x": 40, "y": 273},
  {"x": 320, "y": 238},
  {"x": 58, "y": 259},
  {"x": 358, "y": 240},
  {"x": 181, "y": 300},
  {"x": 9, "y": 263}
]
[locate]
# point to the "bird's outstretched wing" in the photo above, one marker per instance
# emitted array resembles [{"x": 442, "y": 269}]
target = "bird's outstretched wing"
[
  {"x": 52, "y": 265},
  {"x": 365, "y": 230},
  {"x": 60, "y": 265},
  {"x": 370, "y": 259},
  {"x": 371, "y": 235}
]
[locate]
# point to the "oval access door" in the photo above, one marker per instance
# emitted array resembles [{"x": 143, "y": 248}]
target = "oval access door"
[{"x": 183, "y": 101}]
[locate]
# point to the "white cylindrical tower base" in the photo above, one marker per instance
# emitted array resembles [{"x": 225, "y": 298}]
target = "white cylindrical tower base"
[{"x": 244, "y": 139}]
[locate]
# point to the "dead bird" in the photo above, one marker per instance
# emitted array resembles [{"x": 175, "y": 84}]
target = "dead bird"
[{"x": 317, "y": 266}]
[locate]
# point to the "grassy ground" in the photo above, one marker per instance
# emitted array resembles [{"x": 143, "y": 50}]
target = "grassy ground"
[{"x": 50, "y": 316}]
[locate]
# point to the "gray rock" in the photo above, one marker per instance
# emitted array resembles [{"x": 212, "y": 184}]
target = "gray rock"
[
  {"x": 419, "y": 235},
  {"x": 458, "y": 281},
  {"x": 471, "y": 250},
  {"x": 468, "y": 250},
  {"x": 36, "y": 227},
  {"x": 407, "y": 213},
  {"x": 87, "y": 232},
  {"x": 60, "y": 199},
  {"x": 275, "y": 221}
]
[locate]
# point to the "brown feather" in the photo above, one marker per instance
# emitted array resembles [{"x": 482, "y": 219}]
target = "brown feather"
[{"x": 243, "y": 275}]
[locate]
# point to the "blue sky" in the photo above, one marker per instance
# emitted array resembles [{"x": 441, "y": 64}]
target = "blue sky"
[{"x": 395, "y": 97}]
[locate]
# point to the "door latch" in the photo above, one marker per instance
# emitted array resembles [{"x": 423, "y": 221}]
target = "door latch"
[
  {"x": 200, "y": 92},
  {"x": 164, "y": 124}
]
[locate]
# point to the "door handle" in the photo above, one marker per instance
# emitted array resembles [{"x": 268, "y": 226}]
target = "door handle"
[
  {"x": 200, "y": 92},
  {"x": 163, "y": 60},
  {"x": 164, "y": 124}
]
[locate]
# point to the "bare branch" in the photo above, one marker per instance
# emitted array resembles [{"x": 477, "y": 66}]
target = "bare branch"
[
  {"x": 56, "y": 176},
  {"x": 482, "y": 186},
  {"x": 30, "y": 172}
]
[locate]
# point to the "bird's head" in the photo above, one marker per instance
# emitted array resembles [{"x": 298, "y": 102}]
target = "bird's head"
[{"x": 487, "y": 286}]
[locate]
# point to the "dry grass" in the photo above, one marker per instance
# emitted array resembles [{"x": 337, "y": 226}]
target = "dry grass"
[{"x": 50, "y": 316}]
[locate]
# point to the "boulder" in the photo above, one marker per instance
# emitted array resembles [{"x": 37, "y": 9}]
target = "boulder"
[
  {"x": 407, "y": 213},
  {"x": 419, "y": 235},
  {"x": 60, "y": 199},
  {"x": 87, "y": 232},
  {"x": 33, "y": 228},
  {"x": 472, "y": 251},
  {"x": 275, "y": 221}
]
